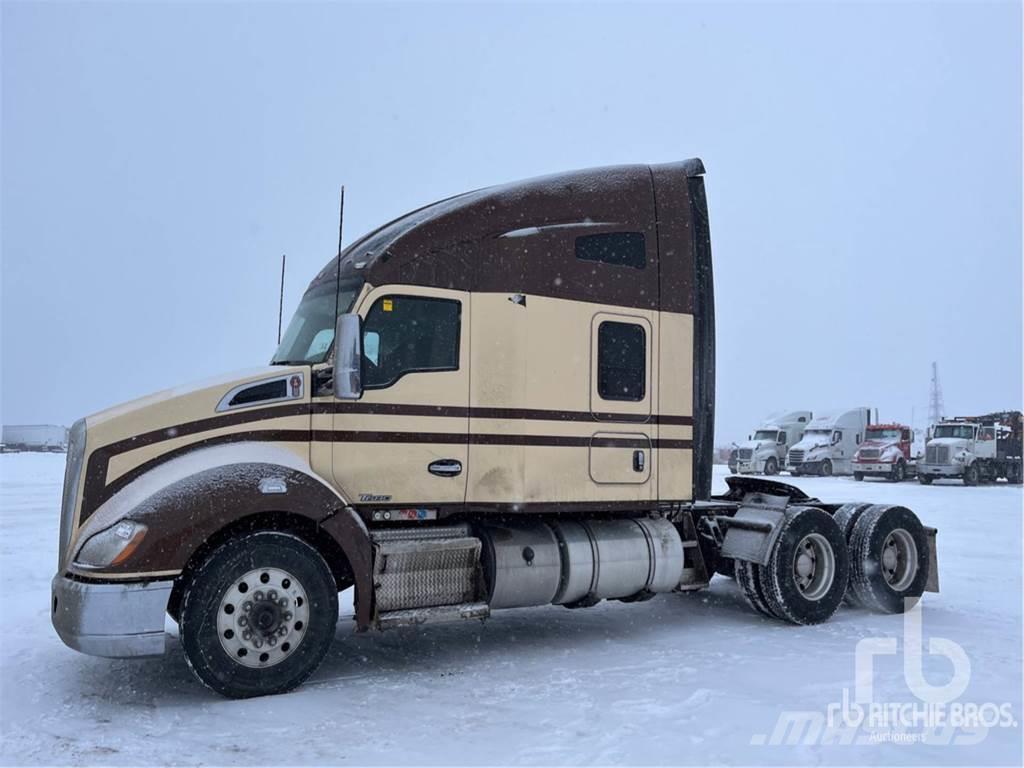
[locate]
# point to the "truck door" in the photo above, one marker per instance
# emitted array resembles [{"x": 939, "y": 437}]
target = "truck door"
[
  {"x": 621, "y": 380},
  {"x": 404, "y": 444},
  {"x": 985, "y": 447}
]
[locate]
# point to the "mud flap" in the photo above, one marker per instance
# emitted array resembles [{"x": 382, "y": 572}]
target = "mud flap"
[
  {"x": 932, "y": 585},
  {"x": 752, "y": 531}
]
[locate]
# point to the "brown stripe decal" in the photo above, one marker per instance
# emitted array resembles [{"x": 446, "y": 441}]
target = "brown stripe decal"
[{"x": 96, "y": 492}]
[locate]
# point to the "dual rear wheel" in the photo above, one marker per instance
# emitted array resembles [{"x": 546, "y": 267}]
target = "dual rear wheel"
[{"x": 871, "y": 556}]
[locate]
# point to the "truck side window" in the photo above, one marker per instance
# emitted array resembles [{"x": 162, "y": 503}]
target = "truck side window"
[
  {"x": 782, "y": 438},
  {"x": 624, "y": 249},
  {"x": 621, "y": 361},
  {"x": 406, "y": 334}
]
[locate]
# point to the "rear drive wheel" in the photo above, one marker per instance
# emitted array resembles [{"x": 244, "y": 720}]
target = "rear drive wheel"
[
  {"x": 771, "y": 467},
  {"x": 809, "y": 567},
  {"x": 826, "y": 468},
  {"x": 889, "y": 559},
  {"x": 748, "y": 576},
  {"x": 846, "y": 517},
  {"x": 971, "y": 474},
  {"x": 258, "y": 616}
]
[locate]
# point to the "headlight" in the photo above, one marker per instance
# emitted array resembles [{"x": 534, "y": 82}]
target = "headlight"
[
  {"x": 72, "y": 478},
  {"x": 111, "y": 546}
]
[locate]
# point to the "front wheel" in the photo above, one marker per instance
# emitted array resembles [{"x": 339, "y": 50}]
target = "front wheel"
[
  {"x": 925, "y": 479},
  {"x": 771, "y": 467},
  {"x": 898, "y": 472},
  {"x": 858, "y": 476},
  {"x": 971, "y": 475},
  {"x": 826, "y": 468},
  {"x": 258, "y": 616}
]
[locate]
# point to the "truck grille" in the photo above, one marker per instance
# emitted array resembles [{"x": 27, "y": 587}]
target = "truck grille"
[
  {"x": 869, "y": 453},
  {"x": 796, "y": 457},
  {"x": 746, "y": 453},
  {"x": 937, "y": 454}
]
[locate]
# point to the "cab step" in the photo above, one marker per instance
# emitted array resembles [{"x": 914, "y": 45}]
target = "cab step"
[{"x": 435, "y": 614}]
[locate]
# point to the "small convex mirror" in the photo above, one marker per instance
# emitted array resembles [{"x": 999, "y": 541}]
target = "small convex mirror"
[{"x": 348, "y": 355}]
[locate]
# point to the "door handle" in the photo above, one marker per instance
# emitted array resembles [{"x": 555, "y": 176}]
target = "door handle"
[
  {"x": 638, "y": 461},
  {"x": 445, "y": 467}
]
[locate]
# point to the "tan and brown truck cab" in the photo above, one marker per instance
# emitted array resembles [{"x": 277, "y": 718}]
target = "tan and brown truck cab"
[{"x": 502, "y": 399}]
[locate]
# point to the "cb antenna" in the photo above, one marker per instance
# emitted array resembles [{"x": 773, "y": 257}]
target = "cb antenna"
[
  {"x": 341, "y": 222},
  {"x": 280, "y": 302}
]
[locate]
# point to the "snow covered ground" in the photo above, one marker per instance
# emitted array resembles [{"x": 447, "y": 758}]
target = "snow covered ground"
[{"x": 682, "y": 679}]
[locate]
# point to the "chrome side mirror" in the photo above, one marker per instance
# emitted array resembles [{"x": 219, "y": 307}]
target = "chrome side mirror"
[{"x": 348, "y": 358}]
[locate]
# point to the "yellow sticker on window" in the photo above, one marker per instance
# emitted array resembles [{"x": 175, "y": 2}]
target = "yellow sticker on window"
[{"x": 388, "y": 306}]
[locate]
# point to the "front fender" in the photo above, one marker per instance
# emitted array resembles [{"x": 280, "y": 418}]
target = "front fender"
[{"x": 187, "y": 499}]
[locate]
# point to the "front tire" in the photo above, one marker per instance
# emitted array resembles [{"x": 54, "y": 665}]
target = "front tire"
[
  {"x": 971, "y": 474},
  {"x": 771, "y": 467},
  {"x": 898, "y": 473},
  {"x": 259, "y": 615},
  {"x": 858, "y": 476},
  {"x": 826, "y": 468},
  {"x": 925, "y": 479}
]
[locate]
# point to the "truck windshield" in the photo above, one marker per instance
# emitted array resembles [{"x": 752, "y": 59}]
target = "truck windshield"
[
  {"x": 311, "y": 330},
  {"x": 883, "y": 434},
  {"x": 765, "y": 434},
  {"x": 962, "y": 431}
]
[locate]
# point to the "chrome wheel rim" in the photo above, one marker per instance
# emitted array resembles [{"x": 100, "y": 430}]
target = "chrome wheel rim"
[
  {"x": 262, "y": 617},
  {"x": 814, "y": 566},
  {"x": 899, "y": 559}
]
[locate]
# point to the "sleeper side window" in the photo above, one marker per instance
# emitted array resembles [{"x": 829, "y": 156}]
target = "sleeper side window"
[
  {"x": 621, "y": 361},
  {"x": 408, "y": 334},
  {"x": 624, "y": 249}
]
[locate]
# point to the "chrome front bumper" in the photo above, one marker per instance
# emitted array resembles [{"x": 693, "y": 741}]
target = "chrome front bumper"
[
  {"x": 872, "y": 467},
  {"x": 941, "y": 470},
  {"x": 112, "y": 620}
]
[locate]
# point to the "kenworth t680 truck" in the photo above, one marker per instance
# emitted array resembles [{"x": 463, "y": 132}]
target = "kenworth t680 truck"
[{"x": 502, "y": 399}]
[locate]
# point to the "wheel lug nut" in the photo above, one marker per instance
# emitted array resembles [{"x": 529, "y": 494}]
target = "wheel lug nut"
[
  {"x": 283, "y": 602},
  {"x": 287, "y": 615},
  {"x": 247, "y": 606},
  {"x": 272, "y": 641},
  {"x": 243, "y": 621},
  {"x": 258, "y": 595},
  {"x": 272, "y": 594},
  {"x": 247, "y": 635}
]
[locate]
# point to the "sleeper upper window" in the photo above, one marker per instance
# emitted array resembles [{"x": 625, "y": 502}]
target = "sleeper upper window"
[
  {"x": 624, "y": 249},
  {"x": 621, "y": 361},
  {"x": 406, "y": 334}
]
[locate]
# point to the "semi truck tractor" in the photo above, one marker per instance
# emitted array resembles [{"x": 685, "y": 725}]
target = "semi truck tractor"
[
  {"x": 765, "y": 450},
  {"x": 976, "y": 449},
  {"x": 829, "y": 443},
  {"x": 504, "y": 399},
  {"x": 48, "y": 438},
  {"x": 888, "y": 452}
]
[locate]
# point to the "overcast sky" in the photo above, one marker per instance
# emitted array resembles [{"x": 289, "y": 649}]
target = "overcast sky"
[{"x": 864, "y": 178}]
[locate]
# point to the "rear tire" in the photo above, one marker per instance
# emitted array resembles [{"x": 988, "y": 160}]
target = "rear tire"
[
  {"x": 809, "y": 568},
  {"x": 889, "y": 559},
  {"x": 259, "y": 615},
  {"x": 826, "y": 468},
  {"x": 846, "y": 517},
  {"x": 748, "y": 576}
]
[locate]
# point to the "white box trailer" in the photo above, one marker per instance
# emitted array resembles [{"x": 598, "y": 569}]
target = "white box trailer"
[
  {"x": 35, "y": 437},
  {"x": 829, "y": 443}
]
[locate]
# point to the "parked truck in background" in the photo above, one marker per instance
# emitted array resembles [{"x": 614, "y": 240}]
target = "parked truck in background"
[
  {"x": 764, "y": 452},
  {"x": 48, "y": 438},
  {"x": 829, "y": 443},
  {"x": 887, "y": 451},
  {"x": 976, "y": 449},
  {"x": 503, "y": 399}
]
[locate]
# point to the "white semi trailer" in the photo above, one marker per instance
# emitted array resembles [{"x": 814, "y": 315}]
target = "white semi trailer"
[{"x": 35, "y": 437}]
